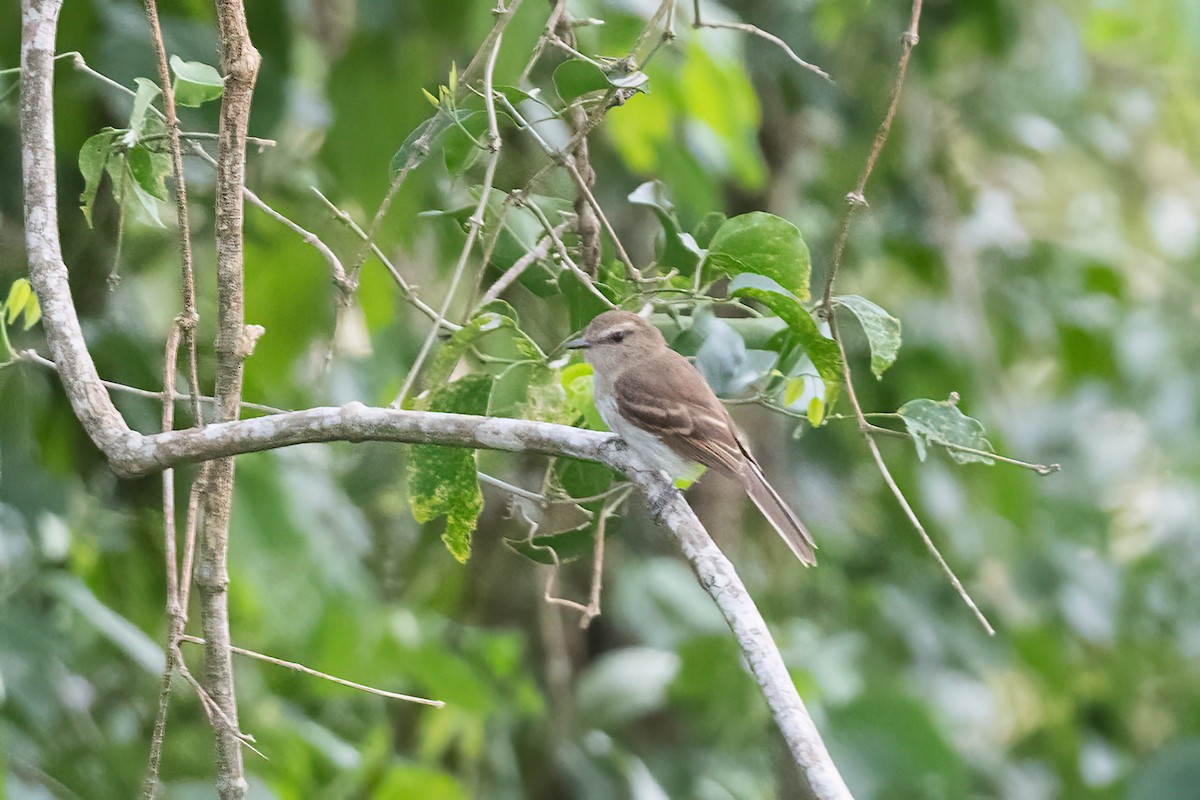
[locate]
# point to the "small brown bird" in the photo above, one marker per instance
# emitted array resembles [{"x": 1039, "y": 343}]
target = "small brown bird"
[{"x": 666, "y": 412}]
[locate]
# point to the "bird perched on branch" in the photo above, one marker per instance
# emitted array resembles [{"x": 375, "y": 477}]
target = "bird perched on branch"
[{"x": 669, "y": 416}]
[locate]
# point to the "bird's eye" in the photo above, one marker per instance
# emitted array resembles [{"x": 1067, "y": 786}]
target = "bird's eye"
[{"x": 619, "y": 336}]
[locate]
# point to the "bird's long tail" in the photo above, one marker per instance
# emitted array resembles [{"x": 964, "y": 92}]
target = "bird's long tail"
[{"x": 779, "y": 514}]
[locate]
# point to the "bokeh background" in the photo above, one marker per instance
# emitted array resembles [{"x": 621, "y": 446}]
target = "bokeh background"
[{"x": 1034, "y": 223}]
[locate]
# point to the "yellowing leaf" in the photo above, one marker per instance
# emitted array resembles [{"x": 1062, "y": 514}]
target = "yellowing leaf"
[{"x": 442, "y": 481}]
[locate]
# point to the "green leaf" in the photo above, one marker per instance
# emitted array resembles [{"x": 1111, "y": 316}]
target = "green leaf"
[
  {"x": 149, "y": 170},
  {"x": 417, "y": 147},
  {"x": 493, "y": 317},
  {"x": 93, "y": 157},
  {"x": 33, "y": 311},
  {"x": 765, "y": 244},
  {"x": 146, "y": 202},
  {"x": 708, "y": 228},
  {"x": 530, "y": 390},
  {"x": 816, "y": 412},
  {"x": 821, "y": 350},
  {"x": 147, "y": 90},
  {"x": 678, "y": 250},
  {"x": 577, "y": 77},
  {"x": 933, "y": 422},
  {"x": 461, "y": 145},
  {"x": 196, "y": 83},
  {"x": 881, "y": 328},
  {"x": 577, "y": 382},
  {"x": 18, "y": 295},
  {"x": 442, "y": 480}
]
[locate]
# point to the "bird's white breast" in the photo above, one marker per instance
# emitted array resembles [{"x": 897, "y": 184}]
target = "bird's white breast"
[{"x": 649, "y": 447}]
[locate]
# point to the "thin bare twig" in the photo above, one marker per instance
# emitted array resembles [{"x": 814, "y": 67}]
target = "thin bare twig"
[
  {"x": 567, "y": 161},
  {"x": 190, "y": 317},
  {"x": 854, "y": 200},
  {"x": 407, "y": 290},
  {"x": 216, "y": 715},
  {"x": 150, "y": 785},
  {"x": 565, "y": 255},
  {"x": 292, "y": 665},
  {"x": 474, "y": 223},
  {"x": 539, "y": 251},
  {"x": 421, "y": 146},
  {"x": 592, "y": 609},
  {"x": 33, "y": 357},
  {"x": 754, "y": 30}
]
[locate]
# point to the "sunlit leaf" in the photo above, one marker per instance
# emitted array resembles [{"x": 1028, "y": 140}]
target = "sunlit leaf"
[
  {"x": 33, "y": 311},
  {"x": 881, "y": 328},
  {"x": 18, "y": 295},
  {"x": 196, "y": 83},
  {"x": 816, "y": 412},
  {"x": 933, "y": 422},
  {"x": 442, "y": 481}
]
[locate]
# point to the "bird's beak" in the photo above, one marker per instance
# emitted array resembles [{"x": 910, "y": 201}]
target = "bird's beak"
[{"x": 578, "y": 344}]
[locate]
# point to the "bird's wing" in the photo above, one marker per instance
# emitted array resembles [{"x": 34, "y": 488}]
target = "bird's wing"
[{"x": 670, "y": 398}]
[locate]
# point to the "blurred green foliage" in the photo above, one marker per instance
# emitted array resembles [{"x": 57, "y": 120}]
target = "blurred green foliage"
[{"x": 1034, "y": 225}]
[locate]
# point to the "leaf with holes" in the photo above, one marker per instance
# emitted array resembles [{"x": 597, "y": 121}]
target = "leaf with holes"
[
  {"x": 881, "y": 328},
  {"x": 442, "y": 481},
  {"x": 765, "y": 244},
  {"x": 933, "y": 422}
]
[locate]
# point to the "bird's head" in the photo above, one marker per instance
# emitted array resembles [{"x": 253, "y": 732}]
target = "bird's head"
[{"x": 617, "y": 338}]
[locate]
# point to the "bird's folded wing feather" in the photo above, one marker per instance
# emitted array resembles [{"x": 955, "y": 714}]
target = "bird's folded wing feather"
[{"x": 670, "y": 399}]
